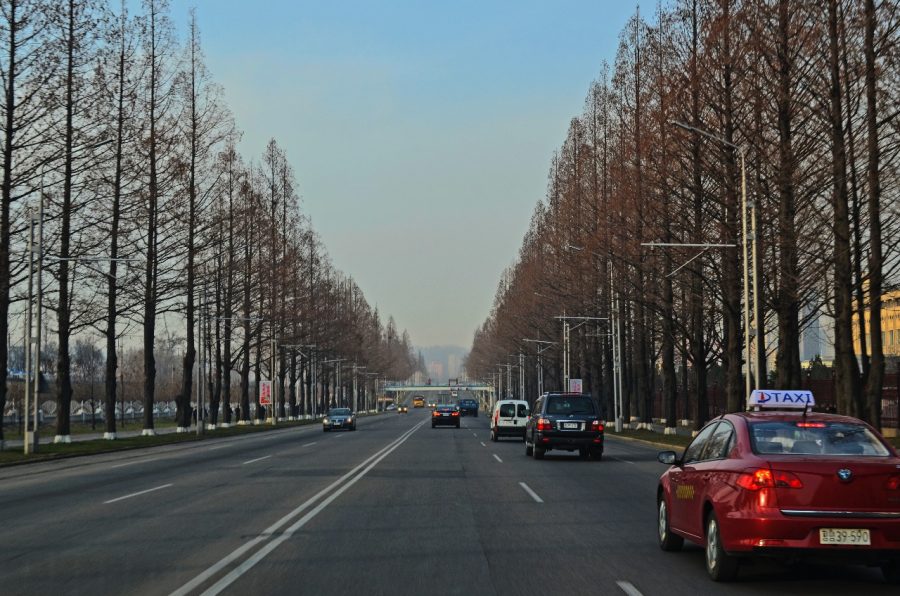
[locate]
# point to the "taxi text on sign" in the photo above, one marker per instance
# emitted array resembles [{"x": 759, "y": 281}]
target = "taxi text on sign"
[
  {"x": 265, "y": 393},
  {"x": 774, "y": 398},
  {"x": 575, "y": 386}
]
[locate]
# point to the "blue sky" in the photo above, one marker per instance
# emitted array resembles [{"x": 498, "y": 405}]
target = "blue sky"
[{"x": 421, "y": 132}]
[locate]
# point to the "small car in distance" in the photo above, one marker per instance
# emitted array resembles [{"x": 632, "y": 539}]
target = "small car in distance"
[
  {"x": 509, "y": 418},
  {"x": 403, "y": 409},
  {"x": 418, "y": 401},
  {"x": 787, "y": 485},
  {"x": 445, "y": 415},
  {"x": 468, "y": 407},
  {"x": 566, "y": 421},
  {"x": 339, "y": 418}
]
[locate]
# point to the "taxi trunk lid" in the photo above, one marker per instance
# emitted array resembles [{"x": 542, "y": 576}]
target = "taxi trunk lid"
[{"x": 838, "y": 484}]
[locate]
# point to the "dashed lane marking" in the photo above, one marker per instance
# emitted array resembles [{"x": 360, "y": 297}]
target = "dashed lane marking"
[
  {"x": 141, "y": 492},
  {"x": 497, "y": 457},
  {"x": 252, "y": 461},
  {"x": 628, "y": 588},
  {"x": 531, "y": 493}
]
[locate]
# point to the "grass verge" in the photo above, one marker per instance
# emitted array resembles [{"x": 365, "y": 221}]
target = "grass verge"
[{"x": 50, "y": 451}]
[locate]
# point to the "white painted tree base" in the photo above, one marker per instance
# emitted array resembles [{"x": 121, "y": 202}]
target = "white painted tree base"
[
  {"x": 211, "y": 427},
  {"x": 225, "y": 425},
  {"x": 182, "y": 429},
  {"x": 109, "y": 436},
  {"x": 148, "y": 432},
  {"x": 244, "y": 423},
  {"x": 670, "y": 430},
  {"x": 257, "y": 422},
  {"x": 62, "y": 439}
]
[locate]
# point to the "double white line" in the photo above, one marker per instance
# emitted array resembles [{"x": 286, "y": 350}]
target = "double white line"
[{"x": 330, "y": 493}]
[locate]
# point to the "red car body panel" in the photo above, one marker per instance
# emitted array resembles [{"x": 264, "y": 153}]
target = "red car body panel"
[{"x": 773, "y": 519}]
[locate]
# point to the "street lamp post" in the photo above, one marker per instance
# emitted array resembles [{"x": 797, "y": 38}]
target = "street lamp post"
[
  {"x": 567, "y": 329},
  {"x": 542, "y": 347},
  {"x": 747, "y": 240}
]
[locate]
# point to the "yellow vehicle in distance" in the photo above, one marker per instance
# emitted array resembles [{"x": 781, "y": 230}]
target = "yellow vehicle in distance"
[{"x": 418, "y": 401}]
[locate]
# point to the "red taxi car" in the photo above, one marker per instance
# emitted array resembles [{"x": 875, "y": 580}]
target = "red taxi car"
[{"x": 783, "y": 483}]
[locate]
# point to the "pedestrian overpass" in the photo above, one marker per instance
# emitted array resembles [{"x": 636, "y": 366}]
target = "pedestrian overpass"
[{"x": 483, "y": 393}]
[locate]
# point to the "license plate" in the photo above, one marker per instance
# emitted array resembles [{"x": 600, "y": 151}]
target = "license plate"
[
  {"x": 445, "y": 414},
  {"x": 570, "y": 425},
  {"x": 851, "y": 536}
]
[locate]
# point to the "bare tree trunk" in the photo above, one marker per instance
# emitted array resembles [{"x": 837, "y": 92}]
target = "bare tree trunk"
[
  {"x": 872, "y": 402},
  {"x": 846, "y": 371},
  {"x": 788, "y": 303}
]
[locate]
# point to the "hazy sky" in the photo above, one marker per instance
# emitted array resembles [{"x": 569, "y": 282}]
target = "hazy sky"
[{"x": 421, "y": 132}]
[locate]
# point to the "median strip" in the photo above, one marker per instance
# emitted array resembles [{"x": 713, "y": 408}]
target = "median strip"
[{"x": 142, "y": 492}]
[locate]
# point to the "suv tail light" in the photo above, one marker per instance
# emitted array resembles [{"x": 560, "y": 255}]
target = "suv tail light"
[
  {"x": 544, "y": 424},
  {"x": 597, "y": 426},
  {"x": 455, "y": 414},
  {"x": 435, "y": 413},
  {"x": 758, "y": 479}
]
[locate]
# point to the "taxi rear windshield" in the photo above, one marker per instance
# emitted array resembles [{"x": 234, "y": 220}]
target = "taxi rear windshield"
[{"x": 815, "y": 438}]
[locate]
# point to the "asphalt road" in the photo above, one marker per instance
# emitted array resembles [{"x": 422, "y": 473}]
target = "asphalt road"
[{"x": 394, "y": 508}]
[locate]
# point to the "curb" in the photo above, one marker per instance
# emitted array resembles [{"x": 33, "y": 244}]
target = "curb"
[{"x": 664, "y": 446}]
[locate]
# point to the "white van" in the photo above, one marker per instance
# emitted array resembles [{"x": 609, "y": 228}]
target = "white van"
[{"x": 508, "y": 419}]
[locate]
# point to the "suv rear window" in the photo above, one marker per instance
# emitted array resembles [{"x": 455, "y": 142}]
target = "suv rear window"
[
  {"x": 815, "y": 438},
  {"x": 569, "y": 404}
]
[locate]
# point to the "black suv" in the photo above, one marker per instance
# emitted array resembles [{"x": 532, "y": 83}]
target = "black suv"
[
  {"x": 567, "y": 421},
  {"x": 468, "y": 407}
]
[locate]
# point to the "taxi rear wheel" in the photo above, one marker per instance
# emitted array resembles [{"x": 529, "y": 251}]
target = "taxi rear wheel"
[
  {"x": 529, "y": 450},
  {"x": 721, "y": 566},
  {"x": 538, "y": 452},
  {"x": 667, "y": 540}
]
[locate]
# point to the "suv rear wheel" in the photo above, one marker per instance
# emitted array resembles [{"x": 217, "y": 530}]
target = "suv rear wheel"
[
  {"x": 539, "y": 452},
  {"x": 529, "y": 450}
]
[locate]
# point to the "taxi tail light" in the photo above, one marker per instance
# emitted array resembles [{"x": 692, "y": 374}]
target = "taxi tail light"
[
  {"x": 893, "y": 483},
  {"x": 544, "y": 424},
  {"x": 455, "y": 414},
  {"x": 435, "y": 413},
  {"x": 761, "y": 478},
  {"x": 597, "y": 426},
  {"x": 810, "y": 425}
]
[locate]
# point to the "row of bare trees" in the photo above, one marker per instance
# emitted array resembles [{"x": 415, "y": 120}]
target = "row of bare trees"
[
  {"x": 152, "y": 216},
  {"x": 806, "y": 94}
]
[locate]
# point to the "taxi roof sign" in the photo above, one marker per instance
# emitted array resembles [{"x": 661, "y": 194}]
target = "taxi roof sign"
[{"x": 773, "y": 398}]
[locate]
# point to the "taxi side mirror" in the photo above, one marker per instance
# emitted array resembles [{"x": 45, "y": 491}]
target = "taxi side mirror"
[{"x": 668, "y": 457}]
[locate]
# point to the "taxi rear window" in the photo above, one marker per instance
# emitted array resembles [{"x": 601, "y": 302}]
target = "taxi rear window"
[{"x": 814, "y": 438}]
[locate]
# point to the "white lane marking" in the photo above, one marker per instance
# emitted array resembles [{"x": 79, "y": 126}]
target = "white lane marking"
[
  {"x": 628, "y": 588},
  {"x": 142, "y": 492},
  {"x": 624, "y": 460},
  {"x": 310, "y": 444},
  {"x": 482, "y": 444},
  {"x": 259, "y": 555},
  {"x": 268, "y": 532},
  {"x": 531, "y": 493},
  {"x": 131, "y": 463},
  {"x": 219, "y": 447},
  {"x": 497, "y": 457},
  {"x": 252, "y": 461},
  {"x": 474, "y": 435}
]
